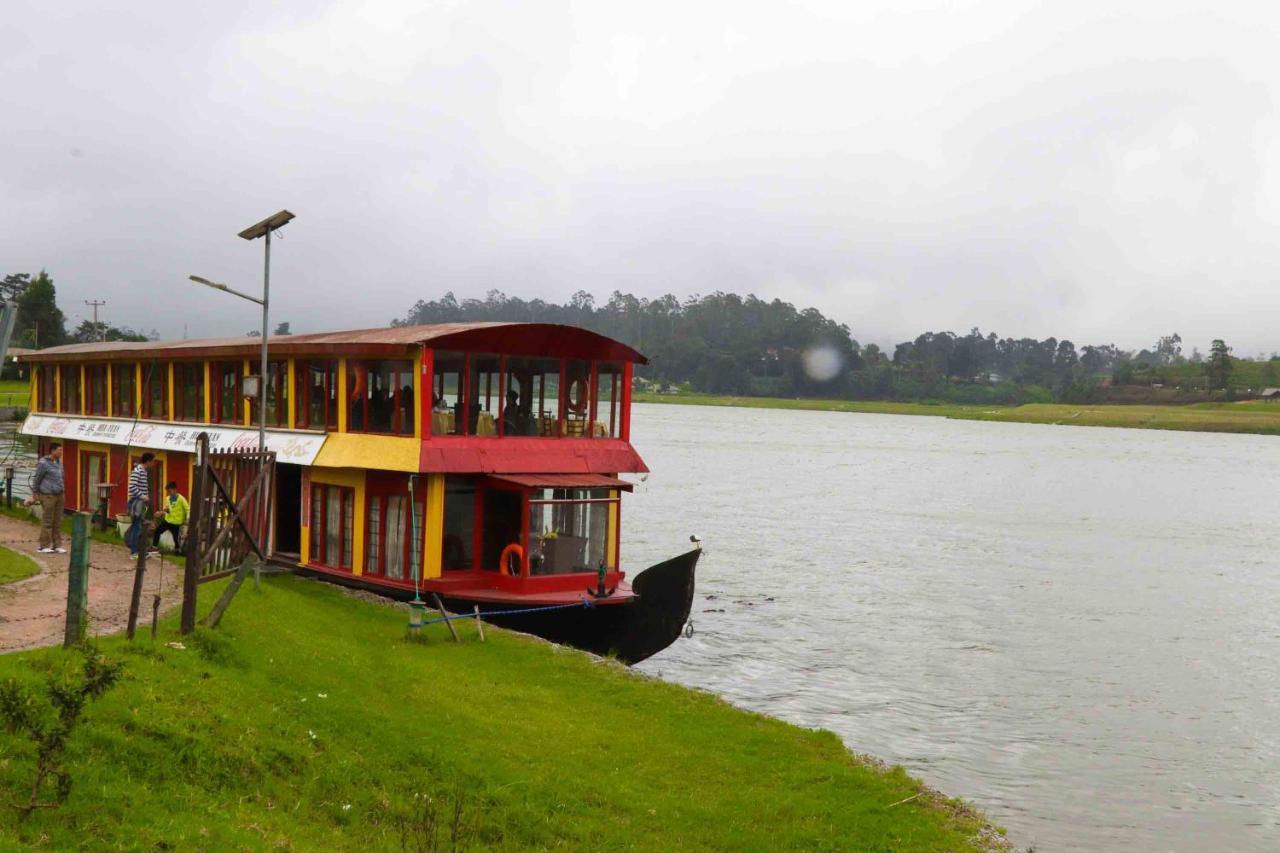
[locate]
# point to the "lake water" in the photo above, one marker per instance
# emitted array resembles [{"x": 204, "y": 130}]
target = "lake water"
[{"x": 1077, "y": 629}]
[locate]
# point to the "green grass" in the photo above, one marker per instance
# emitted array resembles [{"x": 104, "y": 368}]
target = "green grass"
[
  {"x": 1255, "y": 416},
  {"x": 15, "y": 566},
  {"x": 14, "y": 392},
  {"x": 306, "y": 721}
]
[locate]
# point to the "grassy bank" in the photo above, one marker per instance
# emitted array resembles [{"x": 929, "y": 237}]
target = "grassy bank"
[
  {"x": 307, "y": 722},
  {"x": 14, "y": 392},
  {"x": 1251, "y": 417},
  {"x": 15, "y": 566}
]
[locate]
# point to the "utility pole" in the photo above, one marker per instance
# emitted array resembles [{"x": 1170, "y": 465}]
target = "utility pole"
[{"x": 97, "y": 330}]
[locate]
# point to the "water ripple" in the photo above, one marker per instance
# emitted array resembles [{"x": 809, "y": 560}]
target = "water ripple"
[{"x": 1074, "y": 628}]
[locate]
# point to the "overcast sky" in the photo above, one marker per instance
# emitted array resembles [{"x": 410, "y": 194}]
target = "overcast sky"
[{"x": 1066, "y": 169}]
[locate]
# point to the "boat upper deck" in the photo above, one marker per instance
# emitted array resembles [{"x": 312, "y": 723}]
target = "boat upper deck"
[{"x": 454, "y": 398}]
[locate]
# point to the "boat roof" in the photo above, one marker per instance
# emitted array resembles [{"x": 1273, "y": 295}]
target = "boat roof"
[{"x": 529, "y": 339}]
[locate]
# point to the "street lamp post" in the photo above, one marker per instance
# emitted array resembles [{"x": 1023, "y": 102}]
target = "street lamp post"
[{"x": 253, "y": 232}]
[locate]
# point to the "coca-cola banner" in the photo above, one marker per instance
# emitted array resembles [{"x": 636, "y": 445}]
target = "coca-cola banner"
[{"x": 298, "y": 448}]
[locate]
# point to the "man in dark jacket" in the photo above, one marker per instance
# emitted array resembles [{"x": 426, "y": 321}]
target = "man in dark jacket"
[{"x": 48, "y": 488}]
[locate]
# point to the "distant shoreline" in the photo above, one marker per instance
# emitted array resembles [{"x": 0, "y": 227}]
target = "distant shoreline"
[{"x": 1253, "y": 417}]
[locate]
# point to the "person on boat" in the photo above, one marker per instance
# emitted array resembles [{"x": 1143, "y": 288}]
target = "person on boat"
[
  {"x": 512, "y": 423},
  {"x": 139, "y": 499},
  {"x": 406, "y": 406},
  {"x": 172, "y": 514}
]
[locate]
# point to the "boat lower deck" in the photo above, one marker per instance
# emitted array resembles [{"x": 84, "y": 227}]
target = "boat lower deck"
[{"x": 477, "y": 588}]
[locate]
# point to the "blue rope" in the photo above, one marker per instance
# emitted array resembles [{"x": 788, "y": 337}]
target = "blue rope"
[{"x": 584, "y": 603}]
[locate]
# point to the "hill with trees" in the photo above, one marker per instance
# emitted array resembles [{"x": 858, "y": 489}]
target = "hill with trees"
[{"x": 724, "y": 343}]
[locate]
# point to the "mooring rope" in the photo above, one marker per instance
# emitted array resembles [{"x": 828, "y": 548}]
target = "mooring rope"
[{"x": 584, "y": 604}]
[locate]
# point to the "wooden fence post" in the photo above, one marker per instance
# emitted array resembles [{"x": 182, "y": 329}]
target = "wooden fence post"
[
  {"x": 191, "y": 574},
  {"x": 139, "y": 572},
  {"x": 77, "y": 580}
]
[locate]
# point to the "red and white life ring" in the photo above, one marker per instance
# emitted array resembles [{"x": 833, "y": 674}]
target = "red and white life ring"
[{"x": 505, "y": 564}]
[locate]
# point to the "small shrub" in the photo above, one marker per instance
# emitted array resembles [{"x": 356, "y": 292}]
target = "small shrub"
[
  {"x": 422, "y": 824},
  {"x": 49, "y": 724}
]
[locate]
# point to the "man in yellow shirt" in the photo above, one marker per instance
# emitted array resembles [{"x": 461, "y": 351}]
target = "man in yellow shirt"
[{"x": 172, "y": 513}]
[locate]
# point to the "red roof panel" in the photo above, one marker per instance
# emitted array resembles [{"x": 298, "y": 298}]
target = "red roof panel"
[{"x": 549, "y": 339}]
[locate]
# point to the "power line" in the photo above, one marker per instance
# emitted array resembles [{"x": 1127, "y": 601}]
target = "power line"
[{"x": 97, "y": 330}]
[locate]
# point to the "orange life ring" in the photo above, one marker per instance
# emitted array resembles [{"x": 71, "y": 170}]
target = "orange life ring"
[
  {"x": 578, "y": 396},
  {"x": 505, "y": 564}
]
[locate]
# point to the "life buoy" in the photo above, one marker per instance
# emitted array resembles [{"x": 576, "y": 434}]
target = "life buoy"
[
  {"x": 578, "y": 396},
  {"x": 505, "y": 564}
]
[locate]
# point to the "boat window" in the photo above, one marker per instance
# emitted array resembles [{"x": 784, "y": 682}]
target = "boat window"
[
  {"x": 188, "y": 398},
  {"x": 332, "y": 514},
  {"x": 225, "y": 393},
  {"x": 123, "y": 390},
  {"x": 533, "y": 385},
  {"x": 459, "y": 523},
  {"x": 155, "y": 391},
  {"x": 48, "y": 387},
  {"x": 96, "y": 380},
  {"x": 607, "y": 420},
  {"x": 277, "y": 393},
  {"x": 569, "y": 530},
  {"x": 70, "y": 389},
  {"x": 381, "y": 394},
  {"x": 393, "y": 540},
  {"x": 317, "y": 383},
  {"x": 485, "y": 375},
  {"x": 447, "y": 372}
]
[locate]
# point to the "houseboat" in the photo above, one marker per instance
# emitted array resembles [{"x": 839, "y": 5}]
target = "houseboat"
[{"x": 476, "y": 461}]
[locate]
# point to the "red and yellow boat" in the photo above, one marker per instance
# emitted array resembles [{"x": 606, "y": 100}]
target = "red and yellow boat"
[{"x": 477, "y": 461}]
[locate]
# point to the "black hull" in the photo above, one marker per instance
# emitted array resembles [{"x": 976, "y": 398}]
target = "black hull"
[{"x": 630, "y": 632}]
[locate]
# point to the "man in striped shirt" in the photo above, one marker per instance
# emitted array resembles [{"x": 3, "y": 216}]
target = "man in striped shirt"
[{"x": 139, "y": 500}]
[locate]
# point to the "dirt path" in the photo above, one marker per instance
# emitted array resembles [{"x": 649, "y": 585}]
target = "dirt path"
[{"x": 33, "y": 611}]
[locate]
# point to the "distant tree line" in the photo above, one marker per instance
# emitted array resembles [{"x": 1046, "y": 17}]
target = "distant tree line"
[
  {"x": 724, "y": 343},
  {"x": 42, "y": 324}
]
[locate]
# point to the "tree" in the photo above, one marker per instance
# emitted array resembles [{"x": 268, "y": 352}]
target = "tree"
[
  {"x": 1122, "y": 372},
  {"x": 1269, "y": 371},
  {"x": 1218, "y": 367},
  {"x": 282, "y": 329},
  {"x": 1065, "y": 359},
  {"x": 40, "y": 321},
  {"x": 1169, "y": 349},
  {"x": 87, "y": 333},
  {"x": 13, "y": 285}
]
